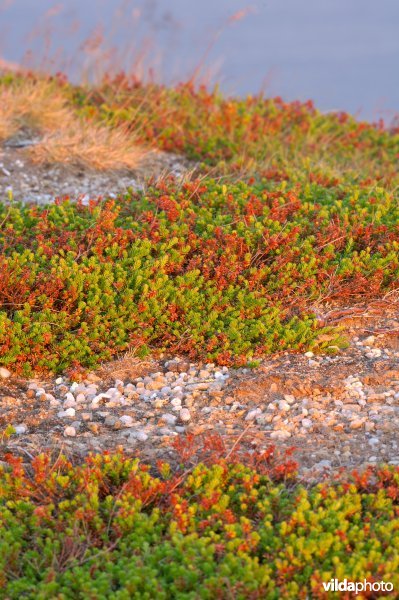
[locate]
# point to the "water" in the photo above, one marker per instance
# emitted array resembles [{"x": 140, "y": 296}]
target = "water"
[{"x": 343, "y": 54}]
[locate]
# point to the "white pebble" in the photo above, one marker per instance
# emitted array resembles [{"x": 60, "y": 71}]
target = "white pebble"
[
  {"x": 70, "y": 431},
  {"x": 185, "y": 414},
  {"x": 251, "y": 416},
  {"x": 374, "y": 441},
  {"x": 69, "y": 412},
  {"x": 70, "y": 403},
  {"x": 289, "y": 398},
  {"x": 20, "y": 429},
  {"x": 169, "y": 419},
  {"x": 280, "y": 434}
]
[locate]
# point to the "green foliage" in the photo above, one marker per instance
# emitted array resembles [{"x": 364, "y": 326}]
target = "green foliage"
[
  {"x": 265, "y": 136},
  {"x": 228, "y": 272},
  {"x": 109, "y": 529}
]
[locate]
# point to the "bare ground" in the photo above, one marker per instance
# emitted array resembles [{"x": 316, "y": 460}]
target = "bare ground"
[{"x": 29, "y": 182}]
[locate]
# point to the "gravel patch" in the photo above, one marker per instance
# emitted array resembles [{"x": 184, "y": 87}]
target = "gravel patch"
[
  {"x": 27, "y": 182},
  {"x": 340, "y": 411}
]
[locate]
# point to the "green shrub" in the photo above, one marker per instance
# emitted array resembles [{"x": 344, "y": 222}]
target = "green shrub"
[
  {"x": 109, "y": 529},
  {"x": 225, "y": 272}
]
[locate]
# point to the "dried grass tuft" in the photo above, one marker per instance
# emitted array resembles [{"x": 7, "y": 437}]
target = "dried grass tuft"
[
  {"x": 88, "y": 144},
  {"x": 33, "y": 104},
  {"x": 40, "y": 105}
]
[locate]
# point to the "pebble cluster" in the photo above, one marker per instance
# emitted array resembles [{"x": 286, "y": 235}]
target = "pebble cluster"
[
  {"x": 351, "y": 419},
  {"x": 160, "y": 403},
  {"x": 357, "y": 408}
]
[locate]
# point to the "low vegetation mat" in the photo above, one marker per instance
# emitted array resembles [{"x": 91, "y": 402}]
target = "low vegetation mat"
[
  {"x": 301, "y": 210},
  {"x": 109, "y": 528},
  {"x": 209, "y": 269}
]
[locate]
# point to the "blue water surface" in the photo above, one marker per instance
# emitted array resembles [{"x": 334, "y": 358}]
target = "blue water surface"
[{"x": 343, "y": 54}]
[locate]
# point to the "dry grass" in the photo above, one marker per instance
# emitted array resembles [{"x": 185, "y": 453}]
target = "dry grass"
[
  {"x": 34, "y": 104},
  {"x": 126, "y": 367},
  {"x": 40, "y": 105},
  {"x": 89, "y": 144}
]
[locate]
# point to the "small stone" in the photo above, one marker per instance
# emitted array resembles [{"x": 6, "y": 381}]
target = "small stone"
[
  {"x": 201, "y": 386},
  {"x": 374, "y": 441},
  {"x": 94, "y": 428},
  {"x": 70, "y": 402},
  {"x": 176, "y": 402},
  {"x": 185, "y": 415},
  {"x": 140, "y": 435},
  {"x": 280, "y": 434},
  {"x": 70, "y": 431},
  {"x": 155, "y": 385},
  {"x": 69, "y": 412},
  {"x": 204, "y": 374},
  {"x": 309, "y": 354},
  {"x": 55, "y": 403},
  {"x": 307, "y": 423},
  {"x": 129, "y": 388},
  {"x": 20, "y": 429},
  {"x": 169, "y": 419},
  {"x": 126, "y": 420},
  {"x": 356, "y": 424},
  {"x": 284, "y": 406},
  {"x": 289, "y": 398},
  {"x": 4, "y": 373},
  {"x": 166, "y": 389},
  {"x": 251, "y": 416},
  {"x": 166, "y": 432},
  {"x": 59, "y": 380},
  {"x": 87, "y": 416}
]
